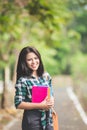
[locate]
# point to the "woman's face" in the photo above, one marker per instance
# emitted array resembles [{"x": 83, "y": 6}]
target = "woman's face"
[{"x": 32, "y": 61}]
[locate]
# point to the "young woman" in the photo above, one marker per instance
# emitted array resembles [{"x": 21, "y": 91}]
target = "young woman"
[{"x": 30, "y": 72}]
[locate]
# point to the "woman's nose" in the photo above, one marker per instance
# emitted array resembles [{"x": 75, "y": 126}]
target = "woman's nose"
[{"x": 33, "y": 60}]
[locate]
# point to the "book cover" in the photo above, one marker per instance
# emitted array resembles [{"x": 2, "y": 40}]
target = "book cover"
[{"x": 39, "y": 93}]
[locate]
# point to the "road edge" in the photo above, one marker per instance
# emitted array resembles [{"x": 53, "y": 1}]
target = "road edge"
[{"x": 77, "y": 104}]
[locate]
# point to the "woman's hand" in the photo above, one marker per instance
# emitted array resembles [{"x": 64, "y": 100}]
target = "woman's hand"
[
  {"x": 52, "y": 99},
  {"x": 47, "y": 103}
]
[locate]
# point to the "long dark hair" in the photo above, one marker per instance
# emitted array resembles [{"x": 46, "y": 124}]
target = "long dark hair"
[{"x": 22, "y": 68}]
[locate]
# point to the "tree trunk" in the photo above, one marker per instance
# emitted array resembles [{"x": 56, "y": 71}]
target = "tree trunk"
[
  {"x": 4, "y": 100},
  {"x": 14, "y": 73},
  {"x": 15, "y": 67}
]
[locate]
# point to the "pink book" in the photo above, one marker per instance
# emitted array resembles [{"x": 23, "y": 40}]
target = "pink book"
[{"x": 39, "y": 93}]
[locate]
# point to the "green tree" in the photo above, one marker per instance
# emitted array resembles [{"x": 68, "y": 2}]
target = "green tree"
[
  {"x": 14, "y": 19},
  {"x": 31, "y": 22},
  {"x": 79, "y": 24}
]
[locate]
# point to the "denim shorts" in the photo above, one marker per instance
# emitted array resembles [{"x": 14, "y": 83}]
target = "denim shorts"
[{"x": 31, "y": 121}]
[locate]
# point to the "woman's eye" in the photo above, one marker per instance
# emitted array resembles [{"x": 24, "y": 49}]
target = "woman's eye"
[
  {"x": 32, "y": 59},
  {"x": 29, "y": 59},
  {"x": 36, "y": 58}
]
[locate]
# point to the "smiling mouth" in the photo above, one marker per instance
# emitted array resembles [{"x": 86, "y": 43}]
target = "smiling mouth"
[{"x": 34, "y": 66}]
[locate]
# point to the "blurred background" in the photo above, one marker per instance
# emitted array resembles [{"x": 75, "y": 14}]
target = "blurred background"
[{"x": 58, "y": 29}]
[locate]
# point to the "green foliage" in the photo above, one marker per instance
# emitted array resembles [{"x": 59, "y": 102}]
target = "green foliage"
[
  {"x": 51, "y": 65},
  {"x": 79, "y": 63},
  {"x": 55, "y": 27},
  {"x": 79, "y": 24}
]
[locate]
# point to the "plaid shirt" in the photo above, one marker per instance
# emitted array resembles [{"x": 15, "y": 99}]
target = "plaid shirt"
[{"x": 24, "y": 93}]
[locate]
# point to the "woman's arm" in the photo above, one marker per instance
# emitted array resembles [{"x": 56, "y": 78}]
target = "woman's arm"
[{"x": 45, "y": 105}]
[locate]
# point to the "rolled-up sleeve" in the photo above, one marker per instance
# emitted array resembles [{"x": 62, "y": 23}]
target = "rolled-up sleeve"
[{"x": 20, "y": 92}]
